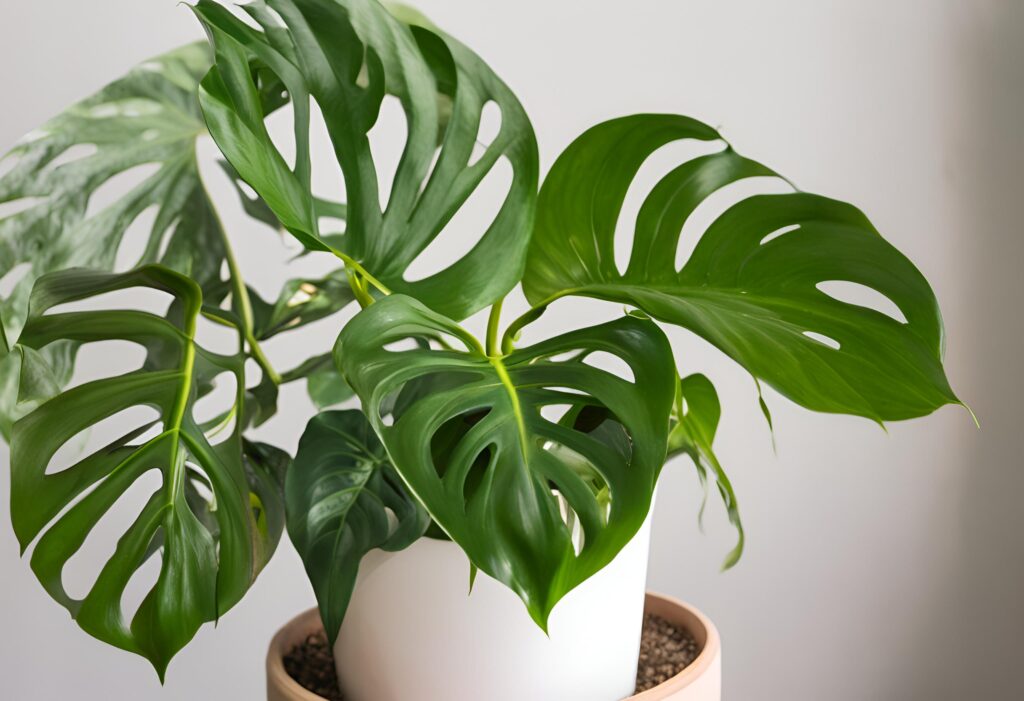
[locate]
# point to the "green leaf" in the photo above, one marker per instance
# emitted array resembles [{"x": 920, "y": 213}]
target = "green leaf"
[
  {"x": 486, "y": 454},
  {"x": 346, "y": 55},
  {"x": 696, "y": 421},
  {"x": 301, "y": 301},
  {"x": 150, "y": 116},
  {"x": 204, "y": 571},
  {"x": 327, "y": 387},
  {"x": 344, "y": 499},
  {"x": 753, "y": 295}
]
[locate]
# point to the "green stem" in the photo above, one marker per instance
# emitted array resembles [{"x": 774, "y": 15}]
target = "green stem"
[
  {"x": 512, "y": 332},
  {"x": 493, "y": 322},
  {"x": 363, "y": 295},
  {"x": 363, "y": 272},
  {"x": 240, "y": 297}
]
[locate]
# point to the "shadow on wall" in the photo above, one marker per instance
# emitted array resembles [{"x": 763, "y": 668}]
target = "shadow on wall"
[{"x": 977, "y": 636}]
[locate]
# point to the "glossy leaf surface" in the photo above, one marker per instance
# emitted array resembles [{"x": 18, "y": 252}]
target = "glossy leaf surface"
[
  {"x": 490, "y": 444},
  {"x": 345, "y": 56},
  {"x": 753, "y": 285},
  {"x": 212, "y": 548},
  {"x": 339, "y": 495}
]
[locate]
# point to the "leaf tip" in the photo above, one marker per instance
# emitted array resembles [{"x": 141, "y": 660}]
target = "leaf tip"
[{"x": 974, "y": 417}]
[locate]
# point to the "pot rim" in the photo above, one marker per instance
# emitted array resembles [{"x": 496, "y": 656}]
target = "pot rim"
[
  {"x": 670, "y": 608},
  {"x": 699, "y": 626}
]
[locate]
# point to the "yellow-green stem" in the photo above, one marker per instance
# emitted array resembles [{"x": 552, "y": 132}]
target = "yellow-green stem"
[
  {"x": 351, "y": 264},
  {"x": 493, "y": 321},
  {"x": 240, "y": 300}
]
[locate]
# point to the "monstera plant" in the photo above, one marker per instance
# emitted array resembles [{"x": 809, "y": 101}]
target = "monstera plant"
[{"x": 537, "y": 460}]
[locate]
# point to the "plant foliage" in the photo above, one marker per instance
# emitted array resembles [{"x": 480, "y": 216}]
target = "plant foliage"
[
  {"x": 210, "y": 555},
  {"x": 539, "y": 461}
]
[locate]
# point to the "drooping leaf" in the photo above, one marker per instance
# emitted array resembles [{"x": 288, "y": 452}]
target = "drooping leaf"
[
  {"x": 339, "y": 495},
  {"x": 486, "y": 453},
  {"x": 346, "y": 55},
  {"x": 696, "y": 421},
  {"x": 753, "y": 284},
  {"x": 204, "y": 571}
]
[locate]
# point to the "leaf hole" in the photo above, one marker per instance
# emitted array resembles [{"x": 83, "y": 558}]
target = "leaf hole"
[
  {"x": 654, "y": 168},
  {"x": 18, "y": 206},
  {"x": 716, "y": 204},
  {"x": 167, "y": 237},
  {"x": 253, "y": 373},
  {"x": 98, "y": 359},
  {"x": 461, "y": 233},
  {"x": 141, "y": 298},
  {"x": 216, "y": 337},
  {"x": 142, "y": 581},
  {"x": 862, "y": 296},
  {"x": 111, "y": 193},
  {"x": 12, "y": 278},
  {"x": 387, "y": 138},
  {"x": 330, "y": 226},
  {"x": 822, "y": 339},
  {"x": 610, "y": 363},
  {"x": 135, "y": 239},
  {"x": 779, "y": 232},
  {"x": 280, "y": 126},
  {"x": 402, "y": 345},
  {"x": 328, "y": 181},
  {"x": 555, "y": 412},
  {"x": 75, "y": 152},
  {"x": 83, "y": 567},
  {"x": 217, "y": 403},
  {"x": 488, "y": 131},
  {"x": 100, "y": 435}
]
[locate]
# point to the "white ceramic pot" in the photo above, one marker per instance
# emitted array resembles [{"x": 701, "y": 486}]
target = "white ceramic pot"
[
  {"x": 413, "y": 631},
  {"x": 701, "y": 681}
]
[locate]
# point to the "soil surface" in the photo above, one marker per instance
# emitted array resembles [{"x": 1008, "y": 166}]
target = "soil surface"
[{"x": 665, "y": 651}]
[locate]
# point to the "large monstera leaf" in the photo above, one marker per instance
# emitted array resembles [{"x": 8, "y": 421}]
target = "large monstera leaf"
[
  {"x": 212, "y": 548},
  {"x": 753, "y": 285},
  {"x": 150, "y": 117},
  {"x": 347, "y": 55},
  {"x": 339, "y": 493},
  {"x": 506, "y": 451}
]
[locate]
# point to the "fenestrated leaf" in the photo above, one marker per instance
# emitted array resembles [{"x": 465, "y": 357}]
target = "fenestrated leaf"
[
  {"x": 150, "y": 117},
  {"x": 696, "y": 421},
  {"x": 339, "y": 494},
  {"x": 751, "y": 285},
  {"x": 486, "y": 454},
  {"x": 204, "y": 571},
  {"x": 347, "y": 55}
]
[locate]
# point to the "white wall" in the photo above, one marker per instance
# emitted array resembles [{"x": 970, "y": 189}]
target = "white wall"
[{"x": 878, "y": 566}]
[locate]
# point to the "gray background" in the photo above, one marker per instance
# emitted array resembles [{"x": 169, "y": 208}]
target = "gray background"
[{"x": 879, "y": 565}]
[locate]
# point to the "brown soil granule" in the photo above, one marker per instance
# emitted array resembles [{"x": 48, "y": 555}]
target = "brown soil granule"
[
  {"x": 311, "y": 664},
  {"x": 665, "y": 650}
]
